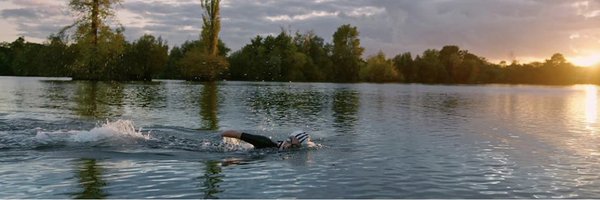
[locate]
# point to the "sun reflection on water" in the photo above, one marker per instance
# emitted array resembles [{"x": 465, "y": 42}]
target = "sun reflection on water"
[{"x": 591, "y": 105}]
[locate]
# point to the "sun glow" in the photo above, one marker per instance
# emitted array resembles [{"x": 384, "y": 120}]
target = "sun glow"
[{"x": 586, "y": 61}]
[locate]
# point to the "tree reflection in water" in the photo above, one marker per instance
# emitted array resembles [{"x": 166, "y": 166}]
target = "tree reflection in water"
[
  {"x": 99, "y": 99},
  {"x": 345, "y": 109},
  {"x": 209, "y": 106},
  {"x": 90, "y": 179},
  {"x": 212, "y": 178}
]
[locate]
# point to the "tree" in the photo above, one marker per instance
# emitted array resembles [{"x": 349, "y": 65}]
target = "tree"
[
  {"x": 269, "y": 59},
  {"x": 145, "y": 58},
  {"x": 92, "y": 17},
  {"x": 469, "y": 69},
  {"x": 248, "y": 62},
  {"x": 16, "y": 58},
  {"x": 379, "y": 69},
  {"x": 172, "y": 69},
  {"x": 206, "y": 67},
  {"x": 28, "y": 59},
  {"x": 405, "y": 64},
  {"x": 98, "y": 45},
  {"x": 318, "y": 66},
  {"x": 347, "y": 54},
  {"x": 203, "y": 62},
  {"x": 5, "y": 69},
  {"x": 431, "y": 69},
  {"x": 556, "y": 60},
  {"x": 451, "y": 58},
  {"x": 557, "y": 70},
  {"x": 211, "y": 25},
  {"x": 57, "y": 56},
  {"x": 303, "y": 57}
]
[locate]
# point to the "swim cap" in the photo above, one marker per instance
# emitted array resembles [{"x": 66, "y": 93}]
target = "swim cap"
[{"x": 301, "y": 136}]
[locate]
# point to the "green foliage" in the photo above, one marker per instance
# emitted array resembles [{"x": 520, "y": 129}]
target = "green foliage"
[
  {"x": 21, "y": 63},
  {"x": 188, "y": 55},
  {"x": 303, "y": 57},
  {"x": 318, "y": 65},
  {"x": 469, "y": 69},
  {"x": 145, "y": 58},
  {"x": 92, "y": 16},
  {"x": 406, "y": 66},
  {"x": 102, "y": 61},
  {"x": 56, "y": 57},
  {"x": 379, "y": 69},
  {"x": 101, "y": 53},
  {"x": 430, "y": 67},
  {"x": 23, "y": 58},
  {"x": 99, "y": 47},
  {"x": 5, "y": 61},
  {"x": 172, "y": 67},
  {"x": 202, "y": 61},
  {"x": 347, "y": 53},
  {"x": 197, "y": 65},
  {"x": 451, "y": 58}
]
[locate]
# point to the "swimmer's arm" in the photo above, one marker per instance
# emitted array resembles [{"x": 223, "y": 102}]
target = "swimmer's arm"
[{"x": 232, "y": 134}]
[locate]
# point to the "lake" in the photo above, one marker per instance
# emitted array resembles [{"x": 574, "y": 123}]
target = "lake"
[{"x": 77, "y": 139}]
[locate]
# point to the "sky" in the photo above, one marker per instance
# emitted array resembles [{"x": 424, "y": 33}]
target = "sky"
[{"x": 525, "y": 30}]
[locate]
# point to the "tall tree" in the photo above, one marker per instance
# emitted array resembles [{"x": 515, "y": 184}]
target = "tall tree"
[
  {"x": 211, "y": 25},
  {"x": 92, "y": 16},
  {"x": 98, "y": 45},
  {"x": 318, "y": 64},
  {"x": 204, "y": 62},
  {"x": 347, "y": 53}
]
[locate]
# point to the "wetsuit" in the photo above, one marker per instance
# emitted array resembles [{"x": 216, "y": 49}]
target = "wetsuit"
[{"x": 260, "y": 141}]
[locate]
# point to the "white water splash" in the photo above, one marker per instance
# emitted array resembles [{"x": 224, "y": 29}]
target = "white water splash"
[
  {"x": 226, "y": 144},
  {"x": 119, "y": 132},
  {"x": 233, "y": 144}
]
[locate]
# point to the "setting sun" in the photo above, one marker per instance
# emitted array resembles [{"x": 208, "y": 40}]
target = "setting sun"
[{"x": 586, "y": 61}]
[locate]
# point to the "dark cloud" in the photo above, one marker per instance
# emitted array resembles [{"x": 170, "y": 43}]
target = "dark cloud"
[
  {"x": 19, "y": 13},
  {"x": 491, "y": 28}
]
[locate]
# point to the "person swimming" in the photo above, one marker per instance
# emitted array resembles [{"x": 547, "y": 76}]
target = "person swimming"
[{"x": 296, "y": 139}]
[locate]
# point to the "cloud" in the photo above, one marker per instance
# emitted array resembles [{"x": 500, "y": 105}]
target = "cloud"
[
  {"x": 492, "y": 28},
  {"x": 19, "y": 13},
  {"x": 302, "y": 17},
  {"x": 34, "y": 18}
]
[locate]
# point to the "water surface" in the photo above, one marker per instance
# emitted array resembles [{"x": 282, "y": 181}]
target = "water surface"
[{"x": 76, "y": 139}]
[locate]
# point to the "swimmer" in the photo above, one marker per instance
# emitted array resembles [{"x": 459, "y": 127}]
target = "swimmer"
[{"x": 296, "y": 140}]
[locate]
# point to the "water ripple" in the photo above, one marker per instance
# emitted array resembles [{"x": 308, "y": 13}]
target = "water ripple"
[{"x": 379, "y": 140}]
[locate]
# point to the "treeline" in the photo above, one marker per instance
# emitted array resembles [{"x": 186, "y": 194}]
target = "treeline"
[
  {"x": 144, "y": 59},
  {"x": 284, "y": 57},
  {"x": 90, "y": 49},
  {"x": 306, "y": 57}
]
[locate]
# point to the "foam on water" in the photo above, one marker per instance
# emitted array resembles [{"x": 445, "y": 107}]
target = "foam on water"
[
  {"x": 123, "y": 134},
  {"x": 117, "y": 132},
  {"x": 232, "y": 144}
]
